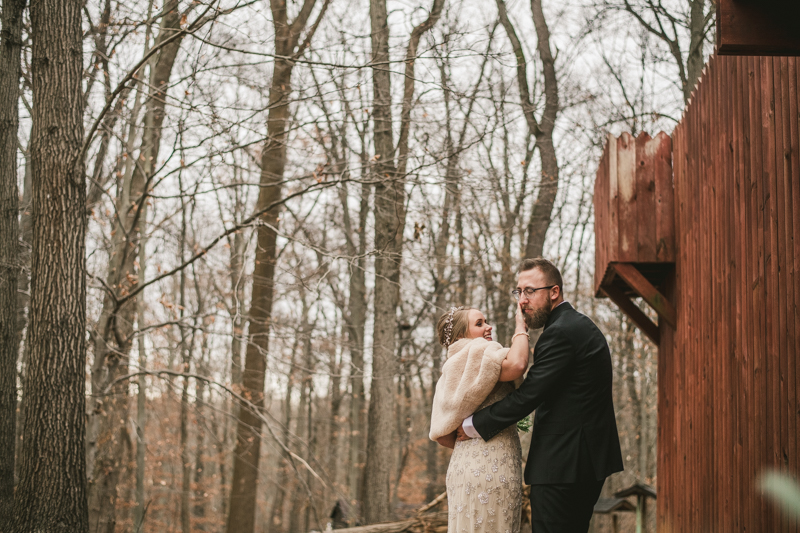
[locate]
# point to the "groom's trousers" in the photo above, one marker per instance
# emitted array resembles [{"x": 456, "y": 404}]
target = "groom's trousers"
[{"x": 564, "y": 508}]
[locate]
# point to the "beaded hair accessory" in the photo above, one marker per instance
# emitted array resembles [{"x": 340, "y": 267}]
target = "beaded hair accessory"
[{"x": 448, "y": 328}]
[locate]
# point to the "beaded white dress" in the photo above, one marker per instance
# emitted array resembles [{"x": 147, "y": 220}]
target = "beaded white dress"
[{"x": 484, "y": 480}]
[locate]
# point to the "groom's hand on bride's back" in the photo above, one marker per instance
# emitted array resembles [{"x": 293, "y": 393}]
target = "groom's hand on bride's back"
[{"x": 461, "y": 434}]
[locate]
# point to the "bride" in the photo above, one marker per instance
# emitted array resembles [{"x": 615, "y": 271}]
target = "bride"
[{"x": 484, "y": 480}]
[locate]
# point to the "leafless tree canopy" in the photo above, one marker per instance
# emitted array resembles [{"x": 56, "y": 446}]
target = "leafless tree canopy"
[{"x": 228, "y": 227}]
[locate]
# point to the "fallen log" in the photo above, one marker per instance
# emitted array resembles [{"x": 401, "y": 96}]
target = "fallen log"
[
  {"x": 426, "y": 522},
  {"x": 422, "y": 522}
]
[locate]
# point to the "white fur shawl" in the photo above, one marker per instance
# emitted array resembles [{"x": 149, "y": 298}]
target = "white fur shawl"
[{"x": 468, "y": 376}]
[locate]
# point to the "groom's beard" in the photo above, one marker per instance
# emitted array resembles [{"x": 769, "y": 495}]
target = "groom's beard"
[{"x": 537, "y": 318}]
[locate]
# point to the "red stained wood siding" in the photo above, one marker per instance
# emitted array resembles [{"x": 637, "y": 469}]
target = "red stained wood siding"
[
  {"x": 728, "y": 374},
  {"x": 633, "y": 202}
]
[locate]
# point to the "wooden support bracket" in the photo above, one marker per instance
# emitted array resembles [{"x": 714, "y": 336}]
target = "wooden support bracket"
[
  {"x": 641, "y": 320},
  {"x": 645, "y": 289}
]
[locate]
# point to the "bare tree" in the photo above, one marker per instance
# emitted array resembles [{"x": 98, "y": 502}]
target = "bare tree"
[
  {"x": 51, "y": 495},
  {"x": 10, "y": 73},
  {"x": 108, "y": 441},
  {"x": 288, "y": 48},
  {"x": 443, "y": 279},
  {"x": 275, "y": 517},
  {"x": 670, "y": 25},
  {"x": 186, "y": 345},
  {"x": 353, "y": 300},
  {"x": 141, "y": 408},
  {"x": 541, "y": 128},
  {"x": 389, "y": 225}
]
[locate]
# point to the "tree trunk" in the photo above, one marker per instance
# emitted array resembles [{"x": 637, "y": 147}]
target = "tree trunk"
[
  {"x": 275, "y": 521},
  {"x": 389, "y": 225},
  {"x": 141, "y": 422},
  {"x": 244, "y": 487},
  {"x": 102, "y": 59},
  {"x": 440, "y": 282},
  {"x": 10, "y": 72},
  {"x": 390, "y": 220},
  {"x": 186, "y": 460},
  {"x": 186, "y": 361},
  {"x": 241, "y": 514},
  {"x": 199, "y": 508},
  {"x": 694, "y": 60},
  {"x": 113, "y": 340},
  {"x": 404, "y": 424},
  {"x": 24, "y": 261},
  {"x": 237, "y": 319},
  {"x": 548, "y": 186},
  {"x": 356, "y": 322},
  {"x": 332, "y": 449},
  {"x": 357, "y": 310},
  {"x": 541, "y": 129},
  {"x": 690, "y": 67},
  {"x": 301, "y": 502},
  {"x": 23, "y": 293},
  {"x": 51, "y": 495}
]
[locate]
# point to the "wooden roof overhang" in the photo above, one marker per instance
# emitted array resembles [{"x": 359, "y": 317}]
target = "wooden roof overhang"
[
  {"x": 637, "y": 489},
  {"x": 613, "y": 505},
  {"x": 635, "y": 226},
  {"x": 758, "y": 27}
]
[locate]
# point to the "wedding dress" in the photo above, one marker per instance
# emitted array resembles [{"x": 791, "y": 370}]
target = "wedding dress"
[{"x": 484, "y": 480}]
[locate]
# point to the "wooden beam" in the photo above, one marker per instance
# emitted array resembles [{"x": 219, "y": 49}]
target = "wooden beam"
[
  {"x": 641, "y": 320},
  {"x": 645, "y": 289}
]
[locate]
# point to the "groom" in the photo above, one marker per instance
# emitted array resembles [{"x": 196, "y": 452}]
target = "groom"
[{"x": 574, "y": 443}]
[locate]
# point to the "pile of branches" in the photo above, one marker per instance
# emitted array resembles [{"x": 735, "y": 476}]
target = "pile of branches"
[{"x": 423, "y": 521}]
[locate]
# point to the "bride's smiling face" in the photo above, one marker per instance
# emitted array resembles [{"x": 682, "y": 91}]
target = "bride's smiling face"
[{"x": 478, "y": 326}]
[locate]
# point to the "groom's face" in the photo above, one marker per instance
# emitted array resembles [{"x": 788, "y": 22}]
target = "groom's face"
[{"x": 537, "y": 308}]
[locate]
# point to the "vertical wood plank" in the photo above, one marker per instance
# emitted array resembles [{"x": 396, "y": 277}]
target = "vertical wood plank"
[
  {"x": 601, "y": 229},
  {"x": 705, "y": 336},
  {"x": 664, "y": 197},
  {"x": 770, "y": 270},
  {"x": 613, "y": 201},
  {"x": 751, "y": 274},
  {"x": 793, "y": 259},
  {"x": 762, "y": 391},
  {"x": 725, "y": 360},
  {"x": 795, "y": 126},
  {"x": 783, "y": 154},
  {"x": 739, "y": 389},
  {"x": 646, "y": 150},
  {"x": 626, "y": 187}
]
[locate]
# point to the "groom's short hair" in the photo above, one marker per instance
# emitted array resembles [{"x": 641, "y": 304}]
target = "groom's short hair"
[{"x": 550, "y": 271}]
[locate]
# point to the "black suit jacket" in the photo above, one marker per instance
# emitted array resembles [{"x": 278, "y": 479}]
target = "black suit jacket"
[{"x": 569, "y": 387}]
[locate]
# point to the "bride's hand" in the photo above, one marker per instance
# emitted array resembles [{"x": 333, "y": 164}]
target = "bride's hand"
[{"x": 448, "y": 441}]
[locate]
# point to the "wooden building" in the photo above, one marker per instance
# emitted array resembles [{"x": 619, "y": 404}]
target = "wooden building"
[{"x": 705, "y": 228}]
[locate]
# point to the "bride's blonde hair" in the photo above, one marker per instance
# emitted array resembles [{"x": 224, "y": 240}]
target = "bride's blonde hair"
[{"x": 453, "y": 325}]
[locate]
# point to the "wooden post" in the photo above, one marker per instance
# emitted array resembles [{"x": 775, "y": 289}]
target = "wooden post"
[
  {"x": 639, "y": 512},
  {"x": 643, "y": 500}
]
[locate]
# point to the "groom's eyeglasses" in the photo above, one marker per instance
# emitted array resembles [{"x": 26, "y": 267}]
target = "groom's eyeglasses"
[{"x": 528, "y": 291}]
